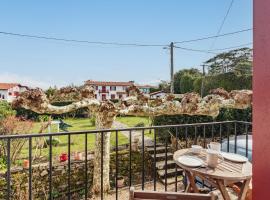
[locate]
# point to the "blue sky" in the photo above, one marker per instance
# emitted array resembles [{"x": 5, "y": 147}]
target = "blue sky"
[{"x": 43, "y": 62}]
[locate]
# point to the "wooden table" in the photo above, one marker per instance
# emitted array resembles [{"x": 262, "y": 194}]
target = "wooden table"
[{"x": 224, "y": 174}]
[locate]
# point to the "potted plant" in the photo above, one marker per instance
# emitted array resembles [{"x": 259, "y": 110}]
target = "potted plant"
[
  {"x": 26, "y": 164},
  {"x": 78, "y": 156},
  {"x": 63, "y": 157}
]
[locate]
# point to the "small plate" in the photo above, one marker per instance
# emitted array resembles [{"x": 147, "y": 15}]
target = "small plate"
[
  {"x": 190, "y": 161},
  {"x": 234, "y": 157}
]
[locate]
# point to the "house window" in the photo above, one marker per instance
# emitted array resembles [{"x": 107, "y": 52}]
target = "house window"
[
  {"x": 113, "y": 88},
  {"x": 120, "y": 96},
  {"x": 95, "y": 96},
  {"x": 124, "y": 87},
  {"x": 113, "y": 96},
  {"x": 103, "y": 97},
  {"x": 10, "y": 93},
  {"x": 96, "y": 87}
]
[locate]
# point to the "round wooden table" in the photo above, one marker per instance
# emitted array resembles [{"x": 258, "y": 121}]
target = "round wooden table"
[{"x": 224, "y": 174}]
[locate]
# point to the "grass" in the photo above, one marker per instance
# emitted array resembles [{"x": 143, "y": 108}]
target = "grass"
[
  {"x": 77, "y": 141},
  {"x": 131, "y": 121}
]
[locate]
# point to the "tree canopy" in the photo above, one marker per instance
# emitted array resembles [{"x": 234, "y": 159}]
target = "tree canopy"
[{"x": 238, "y": 61}]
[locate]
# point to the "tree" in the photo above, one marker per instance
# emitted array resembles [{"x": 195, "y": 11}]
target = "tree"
[
  {"x": 164, "y": 86},
  {"x": 136, "y": 104},
  {"x": 184, "y": 79},
  {"x": 238, "y": 61}
]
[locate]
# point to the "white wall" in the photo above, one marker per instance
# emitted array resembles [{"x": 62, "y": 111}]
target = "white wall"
[
  {"x": 110, "y": 92},
  {"x": 158, "y": 95},
  {"x": 9, "y": 94},
  {"x": 3, "y": 93}
]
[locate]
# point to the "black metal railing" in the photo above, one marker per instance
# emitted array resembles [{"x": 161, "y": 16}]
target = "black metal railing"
[{"x": 186, "y": 134}]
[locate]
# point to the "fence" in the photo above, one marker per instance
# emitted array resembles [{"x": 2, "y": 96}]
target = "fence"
[{"x": 227, "y": 133}]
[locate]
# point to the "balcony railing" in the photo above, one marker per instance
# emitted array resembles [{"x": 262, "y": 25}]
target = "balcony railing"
[
  {"x": 103, "y": 91},
  {"x": 227, "y": 133}
]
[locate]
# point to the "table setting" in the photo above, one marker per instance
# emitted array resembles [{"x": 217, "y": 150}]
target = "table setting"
[{"x": 218, "y": 168}]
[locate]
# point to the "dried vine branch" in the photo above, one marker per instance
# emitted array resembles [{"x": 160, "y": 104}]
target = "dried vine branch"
[{"x": 139, "y": 104}]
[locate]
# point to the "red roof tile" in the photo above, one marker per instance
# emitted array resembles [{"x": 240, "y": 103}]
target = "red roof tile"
[
  {"x": 6, "y": 86},
  {"x": 108, "y": 83}
]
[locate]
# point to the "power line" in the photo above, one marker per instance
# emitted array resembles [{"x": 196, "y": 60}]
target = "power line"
[
  {"x": 195, "y": 50},
  {"x": 82, "y": 41},
  {"x": 213, "y": 51},
  {"x": 233, "y": 47},
  {"x": 222, "y": 23},
  {"x": 116, "y": 43},
  {"x": 213, "y": 36}
]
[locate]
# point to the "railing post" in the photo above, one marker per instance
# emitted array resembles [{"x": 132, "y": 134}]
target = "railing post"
[
  {"x": 30, "y": 169},
  {"x": 86, "y": 167},
  {"x": 228, "y": 137},
  {"x": 8, "y": 170},
  {"x": 246, "y": 130},
  {"x": 204, "y": 138},
  {"x": 235, "y": 137},
  {"x": 166, "y": 161},
  {"x": 155, "y": 159},
  {"x": 143, "y": 168},
  {"x": 195, "y": 133},
  {"x": 220, "y": 134},
  {"x": 130, "y": 159},
  {"x": 101, "y": 168},
  {"x": 50, "y": 168},
  {"x": 116, "y": 165},
  {"x": 176, "y": 137},
  {"x": 186, "y": 130},
  {"x": 69, "y": 167}
]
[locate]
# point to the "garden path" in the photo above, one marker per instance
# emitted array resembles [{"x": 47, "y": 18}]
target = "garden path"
[{"x": 134, "y": 135}]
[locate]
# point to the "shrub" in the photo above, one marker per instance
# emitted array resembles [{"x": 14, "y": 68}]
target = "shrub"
[
  {"x": 140, "y": 124},
  {"x": 13, "y": 125},
  {"x": 225, "y": 115},
  {"x": 6, "y": 110},
  {"x": 55, "y": 142},
  {"x": 43, "y": 118}
]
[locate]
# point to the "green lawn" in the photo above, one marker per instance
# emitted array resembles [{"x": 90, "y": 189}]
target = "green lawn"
[
  {"x": 132, "y": 121},
  {"x": 77, "y": 141}
]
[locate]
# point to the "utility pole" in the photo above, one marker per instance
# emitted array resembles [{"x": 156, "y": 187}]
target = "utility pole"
[
  {"x": 171, "y": 61},
  {"x": 202, "y": 85}
]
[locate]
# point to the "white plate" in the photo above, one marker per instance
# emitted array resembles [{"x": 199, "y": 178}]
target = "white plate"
[
  {"x": 190, "y": 161},
  {"x": 234, "y": 157}
]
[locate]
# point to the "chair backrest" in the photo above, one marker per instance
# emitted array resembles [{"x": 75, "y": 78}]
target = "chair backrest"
[{"x": 149, "y": 195}]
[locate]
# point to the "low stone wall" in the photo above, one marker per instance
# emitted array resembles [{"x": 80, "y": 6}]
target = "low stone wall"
[{"x": 40, "y": 180}]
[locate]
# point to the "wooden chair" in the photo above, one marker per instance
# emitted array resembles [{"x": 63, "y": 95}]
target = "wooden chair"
[{"x": 148, "y": 195}]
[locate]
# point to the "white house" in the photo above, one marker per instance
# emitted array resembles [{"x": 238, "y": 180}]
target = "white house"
[
  {"x": 9, "y": 91},
  {"x": 114, "y": 90},
  {"x": 157, "y": 95}
]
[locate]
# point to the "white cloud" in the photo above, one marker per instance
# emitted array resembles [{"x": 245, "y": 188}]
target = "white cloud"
[{"x": 24, "y": 80}]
